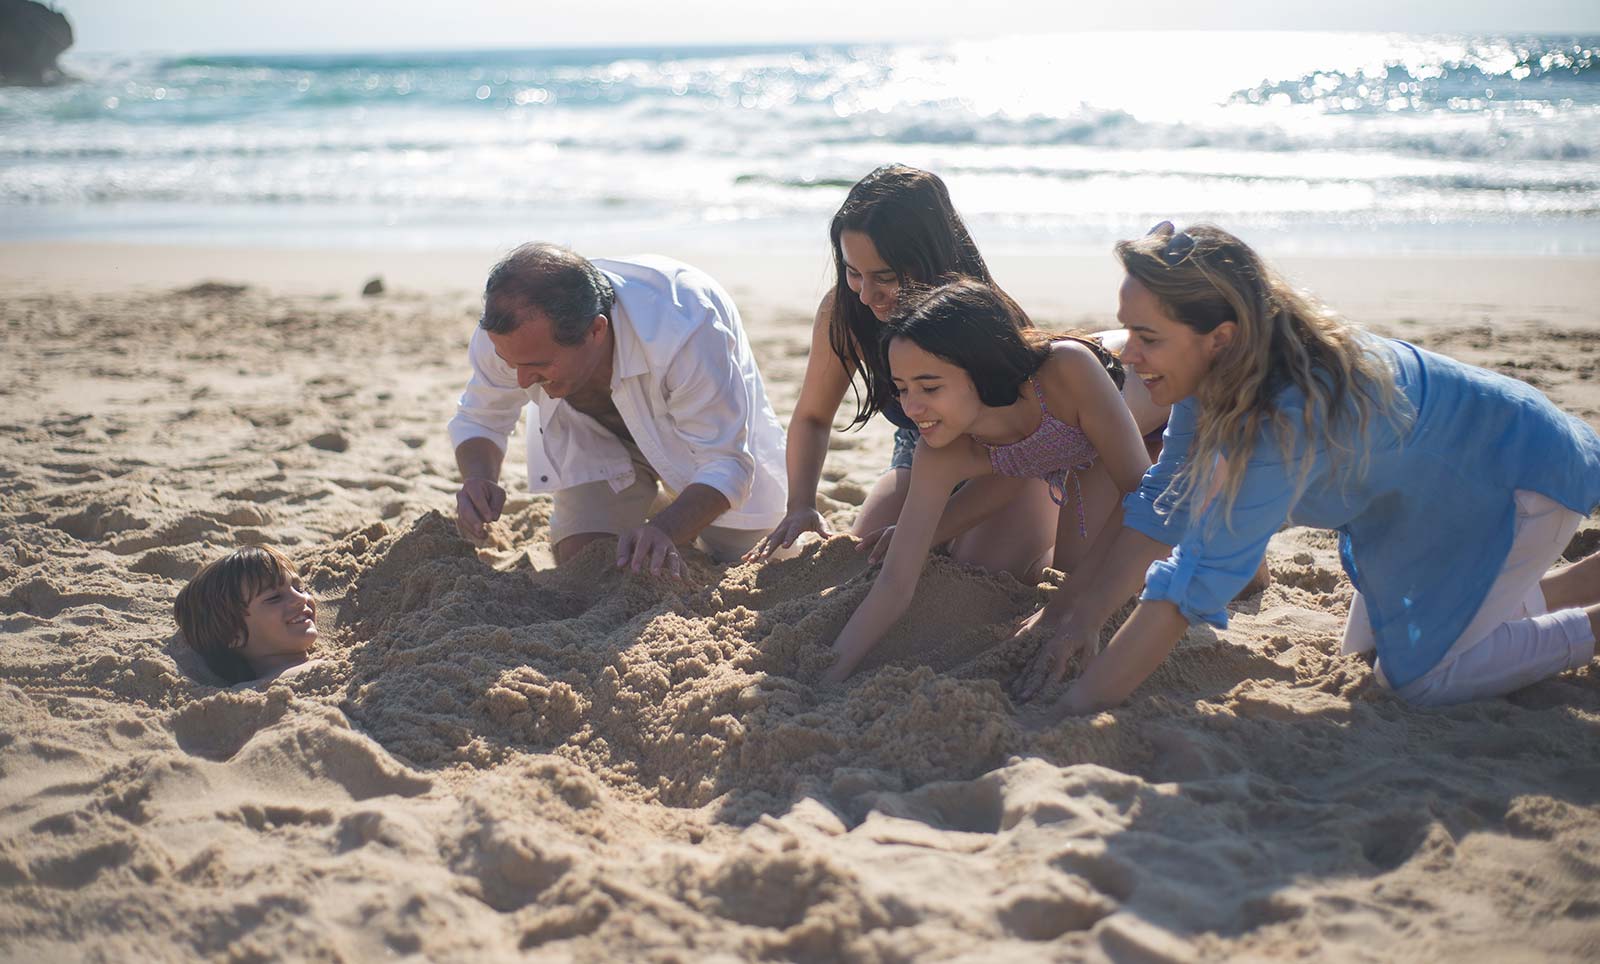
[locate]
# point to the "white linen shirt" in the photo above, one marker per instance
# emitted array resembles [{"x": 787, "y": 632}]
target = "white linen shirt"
[{"x": 684, "y": 381}]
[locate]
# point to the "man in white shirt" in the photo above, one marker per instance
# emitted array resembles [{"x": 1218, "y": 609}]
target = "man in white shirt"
[{"x": 639, "y": 373}]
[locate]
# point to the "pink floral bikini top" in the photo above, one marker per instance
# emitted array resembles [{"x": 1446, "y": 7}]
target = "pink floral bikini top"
[{"x": 1055, "y": 452}]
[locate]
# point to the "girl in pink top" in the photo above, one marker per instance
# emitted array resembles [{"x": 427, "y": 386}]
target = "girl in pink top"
[{"x": 991, "y": 395}]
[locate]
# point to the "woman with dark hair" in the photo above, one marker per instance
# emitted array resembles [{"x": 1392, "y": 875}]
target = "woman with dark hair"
[
  {"x": 1453, "y": 489},
  {"x": 994, "y": 397},
  {"x": 896, "y": 231}
]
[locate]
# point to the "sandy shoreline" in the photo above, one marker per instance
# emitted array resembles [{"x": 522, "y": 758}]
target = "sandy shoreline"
[
  {"x": 1073, "y": 288},
  {"x": 498, "y": 760}
]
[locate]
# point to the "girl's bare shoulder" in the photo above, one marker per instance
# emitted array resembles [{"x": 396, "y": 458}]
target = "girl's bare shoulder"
[
  {"x": 825, "y": 307},
  {"x": 1072, "y": 366},
  {"x": 1071, "y": 353}
]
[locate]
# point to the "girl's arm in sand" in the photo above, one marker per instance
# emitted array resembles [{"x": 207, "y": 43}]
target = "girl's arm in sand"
[
  {"x": 1134, "y": 653},
  {"x": 934, "y": 472},
  {"x": 810, "y": 426},
  {"x": 1114, "y": 571}
]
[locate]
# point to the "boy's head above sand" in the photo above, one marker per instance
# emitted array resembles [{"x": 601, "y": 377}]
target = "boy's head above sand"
[{"x": 247, "y": 614}]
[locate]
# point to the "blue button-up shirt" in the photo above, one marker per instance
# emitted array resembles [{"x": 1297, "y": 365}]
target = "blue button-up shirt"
[{"x": 1423, "y": 532}]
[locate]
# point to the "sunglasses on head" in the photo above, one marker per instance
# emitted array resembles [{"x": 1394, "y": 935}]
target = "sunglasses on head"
[{"x": 1179, "y": 245}]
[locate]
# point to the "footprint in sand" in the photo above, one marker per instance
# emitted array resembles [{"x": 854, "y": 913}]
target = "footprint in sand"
[
  {"x": 512, "y": 863},
  {"x": 97, "y": 520},
  {"x": 194, "y": 527},
  {"x": 1046, "y": 909},
  {"x": 216, "y": 727},
  {"x": 38, "y": 597},
  {"x": 258, "y": 494},
  {"x": 175, "y": 562}
]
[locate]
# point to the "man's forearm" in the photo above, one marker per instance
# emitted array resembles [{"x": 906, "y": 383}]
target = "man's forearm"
[
  {"x": 696, "y": 507},
  {"x": 479, "y": 458}
]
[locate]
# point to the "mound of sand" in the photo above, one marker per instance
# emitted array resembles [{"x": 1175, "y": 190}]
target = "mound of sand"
[{"x": 493, "y": 758}]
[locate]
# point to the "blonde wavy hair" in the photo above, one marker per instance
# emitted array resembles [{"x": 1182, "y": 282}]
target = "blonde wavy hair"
[{"x": 1285, "y": 339}]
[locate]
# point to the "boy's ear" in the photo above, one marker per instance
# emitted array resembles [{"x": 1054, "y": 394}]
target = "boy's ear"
[{"x": 238, "y": 641}]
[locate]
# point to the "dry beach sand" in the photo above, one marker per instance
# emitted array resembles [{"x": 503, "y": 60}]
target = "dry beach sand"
[{"x": 496, "y": 760}]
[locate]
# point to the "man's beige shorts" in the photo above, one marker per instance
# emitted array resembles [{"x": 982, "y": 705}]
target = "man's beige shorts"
[{"x": 594, "y": 507}]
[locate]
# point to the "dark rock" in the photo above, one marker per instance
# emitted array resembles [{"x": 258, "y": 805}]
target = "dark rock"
[
  {"x": 215, "y": 289},
  {"x": 374, "y": 287},
  {"x": 330, "y": 442},
  {"x": 32, "y": 36}
]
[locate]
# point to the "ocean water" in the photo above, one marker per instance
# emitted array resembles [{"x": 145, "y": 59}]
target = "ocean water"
[{"x": 1316, "y": 142}]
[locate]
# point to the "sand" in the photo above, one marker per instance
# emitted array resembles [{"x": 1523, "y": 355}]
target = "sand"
[{"x": 493, "y": 759}]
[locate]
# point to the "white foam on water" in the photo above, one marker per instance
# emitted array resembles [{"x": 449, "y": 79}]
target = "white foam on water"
[{"x": 1058, "y": 135}]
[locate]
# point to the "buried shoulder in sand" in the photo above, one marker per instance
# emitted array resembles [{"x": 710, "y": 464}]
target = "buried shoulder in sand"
[{"x": 248, "y": 616}]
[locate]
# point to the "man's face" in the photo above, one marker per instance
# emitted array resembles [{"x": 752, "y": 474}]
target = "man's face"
[{"x": 559, "y": 370}]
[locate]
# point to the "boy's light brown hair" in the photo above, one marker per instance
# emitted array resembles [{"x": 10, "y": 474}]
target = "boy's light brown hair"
[{"x": 210, "y": 609}]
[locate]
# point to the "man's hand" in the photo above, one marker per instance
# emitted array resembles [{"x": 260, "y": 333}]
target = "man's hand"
[
  {"x": 478, "y": 503},
  {"x": 795, "y": 524},
  {"x": 876, "y": 543},
  {"x": 647, "y": 547},
  {"x": 1049, "y": 664}
]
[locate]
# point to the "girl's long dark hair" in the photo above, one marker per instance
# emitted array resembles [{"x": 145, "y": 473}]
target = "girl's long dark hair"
[
  {"x": 979, "y": 328},
  {"x": 909, "y": 218}
]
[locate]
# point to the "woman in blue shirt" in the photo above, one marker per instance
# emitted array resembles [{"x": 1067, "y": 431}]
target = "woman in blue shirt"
[{"x": 1452, "y": 488}]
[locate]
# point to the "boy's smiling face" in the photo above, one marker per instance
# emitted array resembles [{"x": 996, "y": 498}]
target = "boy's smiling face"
[{"x": 279, "y": 621}]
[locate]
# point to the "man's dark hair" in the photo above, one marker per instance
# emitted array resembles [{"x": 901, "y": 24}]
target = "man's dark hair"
[{"x": 561, "y": 284}]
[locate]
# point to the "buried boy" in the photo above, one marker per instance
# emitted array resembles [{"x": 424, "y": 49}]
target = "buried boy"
[{"x": 248, "y": 615}]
